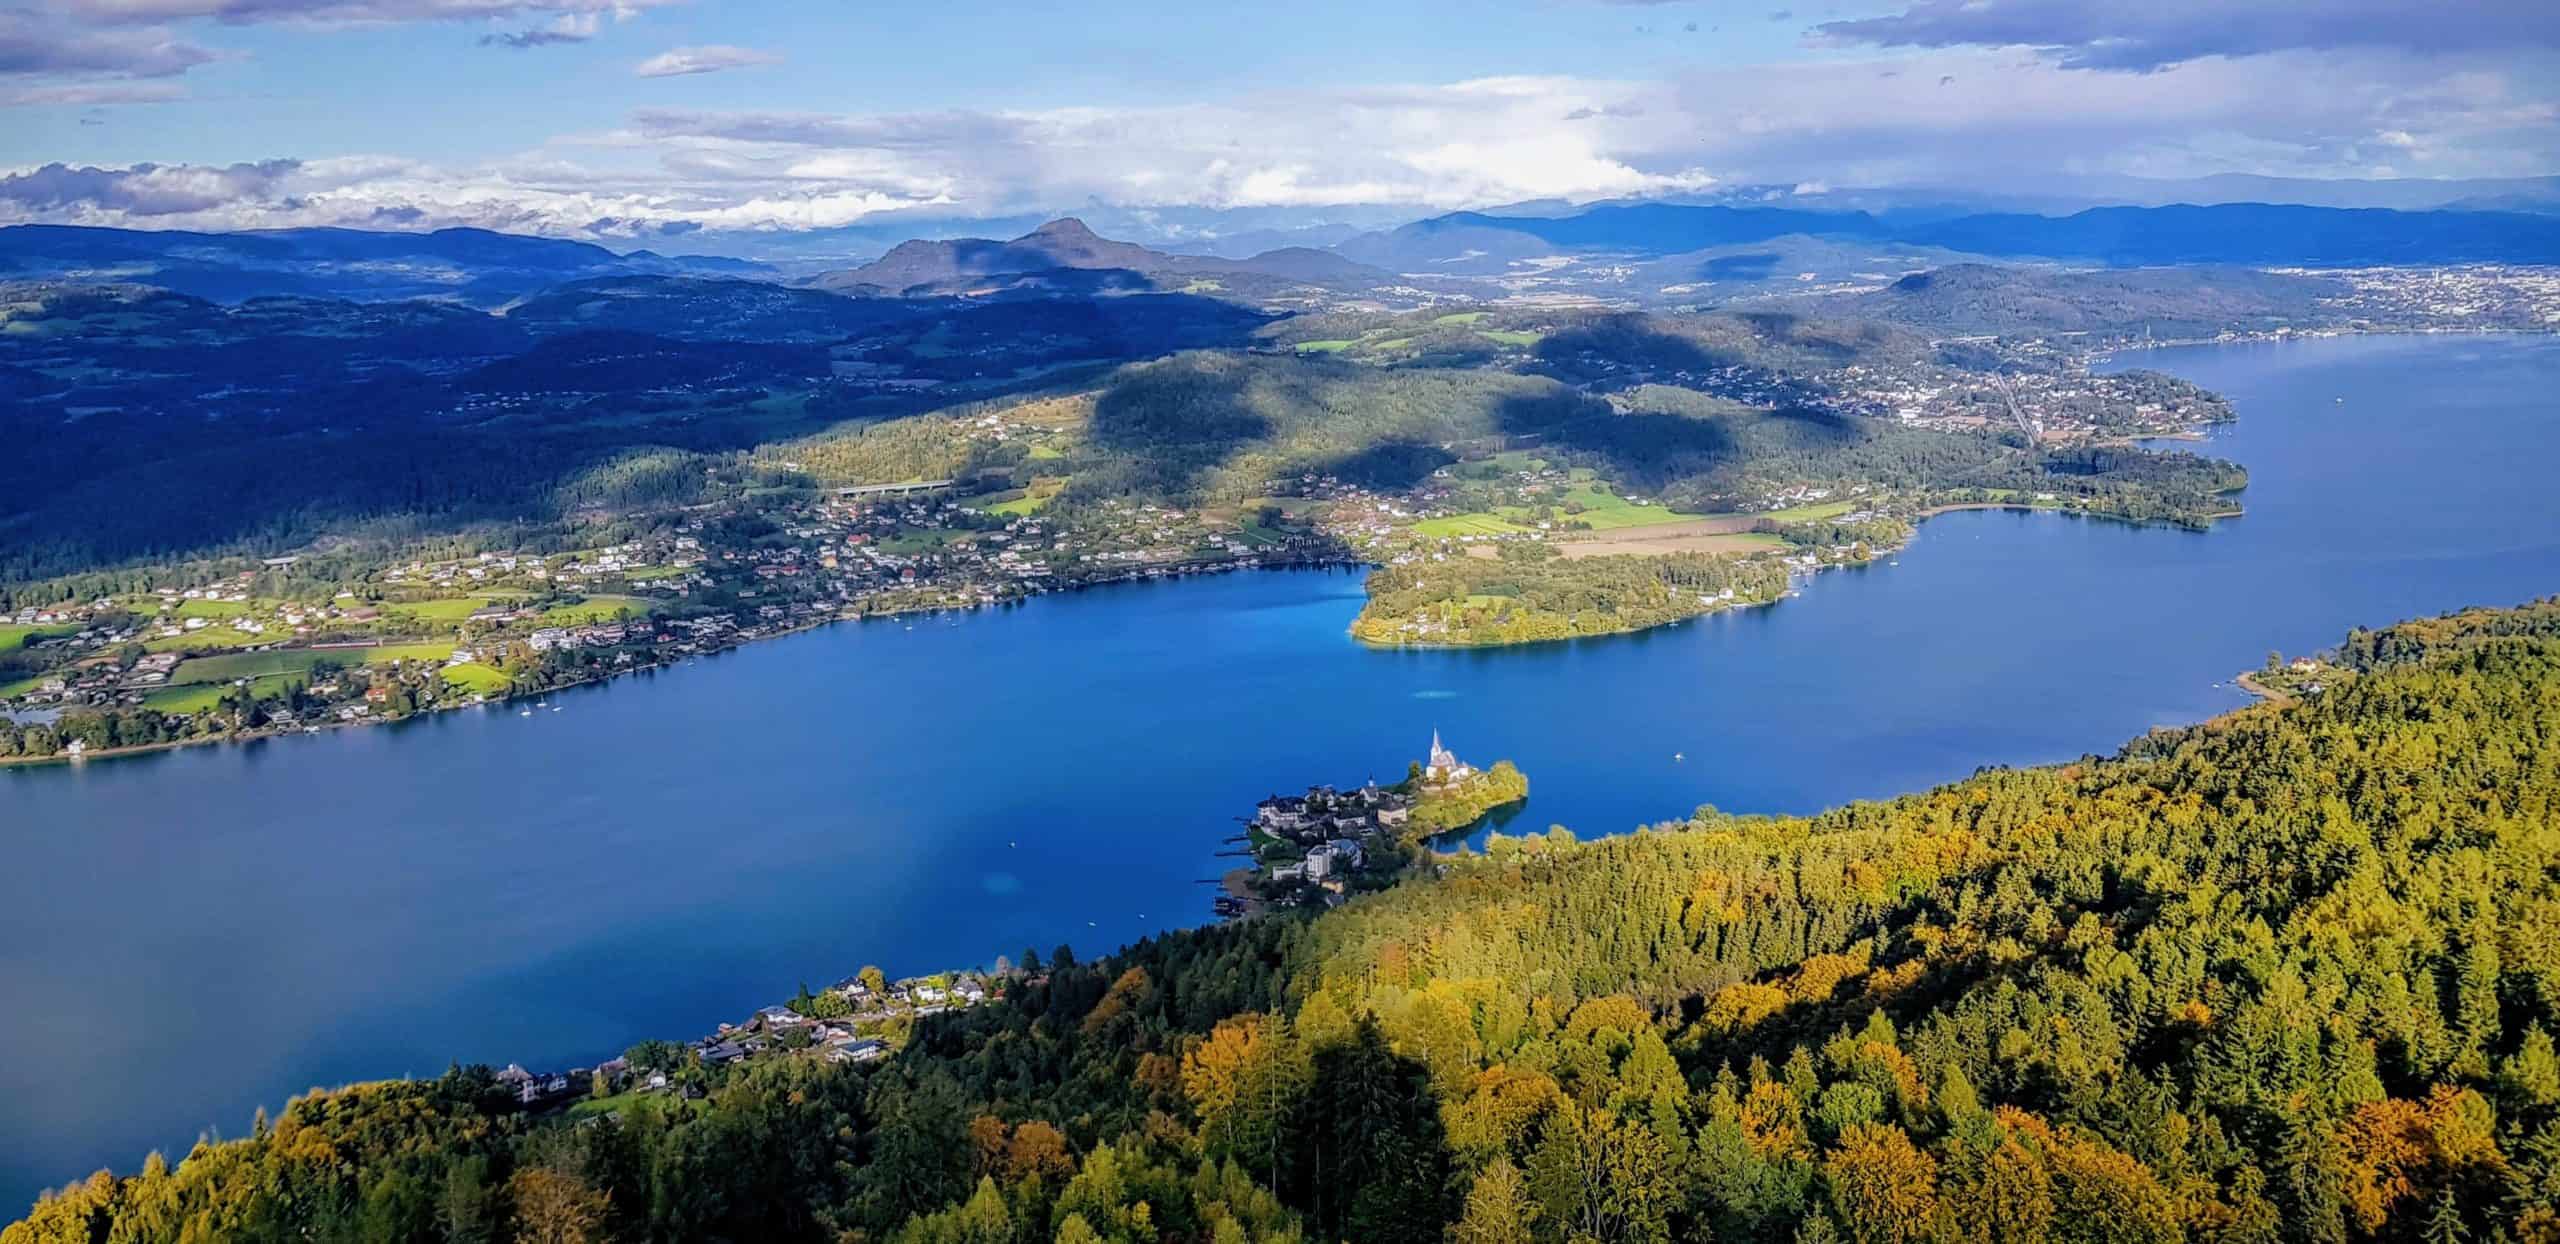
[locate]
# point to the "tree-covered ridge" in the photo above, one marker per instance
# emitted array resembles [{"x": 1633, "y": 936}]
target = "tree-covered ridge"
[{"x": 2288, "y": 975}]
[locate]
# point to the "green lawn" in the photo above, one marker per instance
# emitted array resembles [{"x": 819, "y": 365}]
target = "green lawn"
[
  {"x": 12, "y": 634},
  {"x": 213, "y": 608},
  {"x": 1510, "y": 338},
  {"x": 215, "y": 671},
  {"x": 222, "y": 669},
  {"x": 184, "y": 699},
  {"x": 441, "y": 609},
  {"x": 22, "y": 686},
  {"x": 1459, "y": 317},
  {"x": 1334, "y": 346},
  {"x": 1044, "y": 453},
  {"x": 473, "y": 676},
  {"x": 909, "y": 543},
  {"x": 1811, "y": 513},
  {"x": 1476, "y": 524},
  {"x": 1602, "y": 509},
  {"x": 1023, "y": 502},
  {"x": 209, "y": 637},
  {"x": 1607, "y": 511},
  {"x": 602, "y": 607}
]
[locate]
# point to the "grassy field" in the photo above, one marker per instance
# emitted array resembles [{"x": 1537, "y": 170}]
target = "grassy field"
[
  {"x": 1607, "y": 511},
  {"x": 13, "y": 635},
  {"x": 215, "y": 671},
  {"x": 209, "y": 637},
  {"x": 223, "y": 669},
  {"x": 213, "y": 608},
  {"x": 1811, "y": 513},
  {"x": 601, "y": 607},
  {"x": 1602, "y": 509},
  {"x": 22, "y": 686},
  {"x": 473, "y": 676},
  {"x": 1335, "y": 346},
  {"x": 1460, "y": 317},
  {"x": 1510, "y": 338},
  {"x": 185, "y": 699},
  {"x": 1477, "y": 524},
  {"x": 441, "y": 609},
  {"x": 1043, "y": 490}
]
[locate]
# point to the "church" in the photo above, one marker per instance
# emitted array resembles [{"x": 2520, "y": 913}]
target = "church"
[{"x": 1444, "y": 766}]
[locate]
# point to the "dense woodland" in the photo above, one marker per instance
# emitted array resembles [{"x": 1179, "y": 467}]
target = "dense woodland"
[{"x": 2288, "y": 975}]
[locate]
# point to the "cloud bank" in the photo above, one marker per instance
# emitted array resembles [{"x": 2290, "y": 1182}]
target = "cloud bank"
[
  {"x": 2159, "y": 33},
  {"x": 1985, "y": 94}
]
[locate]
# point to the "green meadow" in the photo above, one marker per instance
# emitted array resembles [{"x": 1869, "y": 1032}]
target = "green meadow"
[
  {"x": 1811, "y": 513},
  {"x": 602, "y": 607},
  {"x": 475, "y": 677},
  {"x": 13, "y": 634}
]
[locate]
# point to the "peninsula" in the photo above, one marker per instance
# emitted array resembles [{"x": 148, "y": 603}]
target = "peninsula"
[{"x": 1315, "y": 849}]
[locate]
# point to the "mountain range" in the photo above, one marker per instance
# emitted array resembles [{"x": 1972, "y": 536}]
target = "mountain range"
[
  {"x": 476, "y": 267},
  {"x": 1654, "y": 251},
  {"x": 1480, "y": 243},
  {"x": 1065, "y": 253}
]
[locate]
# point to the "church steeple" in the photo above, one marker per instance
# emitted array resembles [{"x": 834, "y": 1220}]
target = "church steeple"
[{"x": 1443, "y": 766}]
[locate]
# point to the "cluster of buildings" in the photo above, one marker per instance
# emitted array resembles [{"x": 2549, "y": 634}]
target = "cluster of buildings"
[
  {"x": 1310, "y": 848},
  {"x": 855, "y": 1028},
  {"x": 2466, "y": 297}
]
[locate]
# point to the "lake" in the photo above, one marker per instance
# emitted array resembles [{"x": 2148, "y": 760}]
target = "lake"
[{"x": 187, "y": 936}]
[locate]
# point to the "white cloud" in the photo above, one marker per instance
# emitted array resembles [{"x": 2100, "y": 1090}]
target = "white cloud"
[
  {"x": 344, "y": 12},
  {"x": 34, "y": 47},
  {"x": 710, "y": 58},
  {"x": 2157, "y": 33},
  {"x": 2010, "y": 119}
]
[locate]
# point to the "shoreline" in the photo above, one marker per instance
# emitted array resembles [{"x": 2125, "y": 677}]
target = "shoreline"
[
  {"x": 260, "y": 735},
  {"x": 1924, "y": 515},
  {"x": 1174, "y": 570}
]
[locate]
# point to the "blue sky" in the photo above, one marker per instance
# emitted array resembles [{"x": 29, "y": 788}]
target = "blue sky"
[{"x": 210, "y": 113}]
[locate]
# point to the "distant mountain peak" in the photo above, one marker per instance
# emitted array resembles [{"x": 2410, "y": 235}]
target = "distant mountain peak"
[{"x": 1063, "y": 229}]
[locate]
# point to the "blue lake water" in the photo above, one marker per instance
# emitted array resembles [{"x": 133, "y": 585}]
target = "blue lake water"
[{"x": 184, "y": 937}]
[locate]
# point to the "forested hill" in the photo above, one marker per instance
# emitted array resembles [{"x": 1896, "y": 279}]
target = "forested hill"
[{"x": 2287, "y": 975}]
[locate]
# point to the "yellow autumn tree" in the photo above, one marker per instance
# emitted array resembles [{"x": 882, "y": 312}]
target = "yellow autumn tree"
[{"x": 1884, "y": 1187}]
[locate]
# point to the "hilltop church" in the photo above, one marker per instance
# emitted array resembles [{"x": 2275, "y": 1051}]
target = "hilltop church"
[{"x": 1444, "y": 767}]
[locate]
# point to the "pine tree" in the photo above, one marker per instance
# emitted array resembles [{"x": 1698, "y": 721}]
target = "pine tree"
[{"x": 2444, "y": 1222}]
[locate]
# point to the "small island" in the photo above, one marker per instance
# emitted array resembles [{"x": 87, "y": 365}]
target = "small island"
[{"x": 1316, "y": 849}]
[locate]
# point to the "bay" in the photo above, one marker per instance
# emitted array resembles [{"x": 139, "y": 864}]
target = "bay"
[{"x": 187, "y": 936}]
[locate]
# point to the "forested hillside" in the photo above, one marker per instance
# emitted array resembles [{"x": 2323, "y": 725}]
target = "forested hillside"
[{"x": 2287, "y": 975}]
